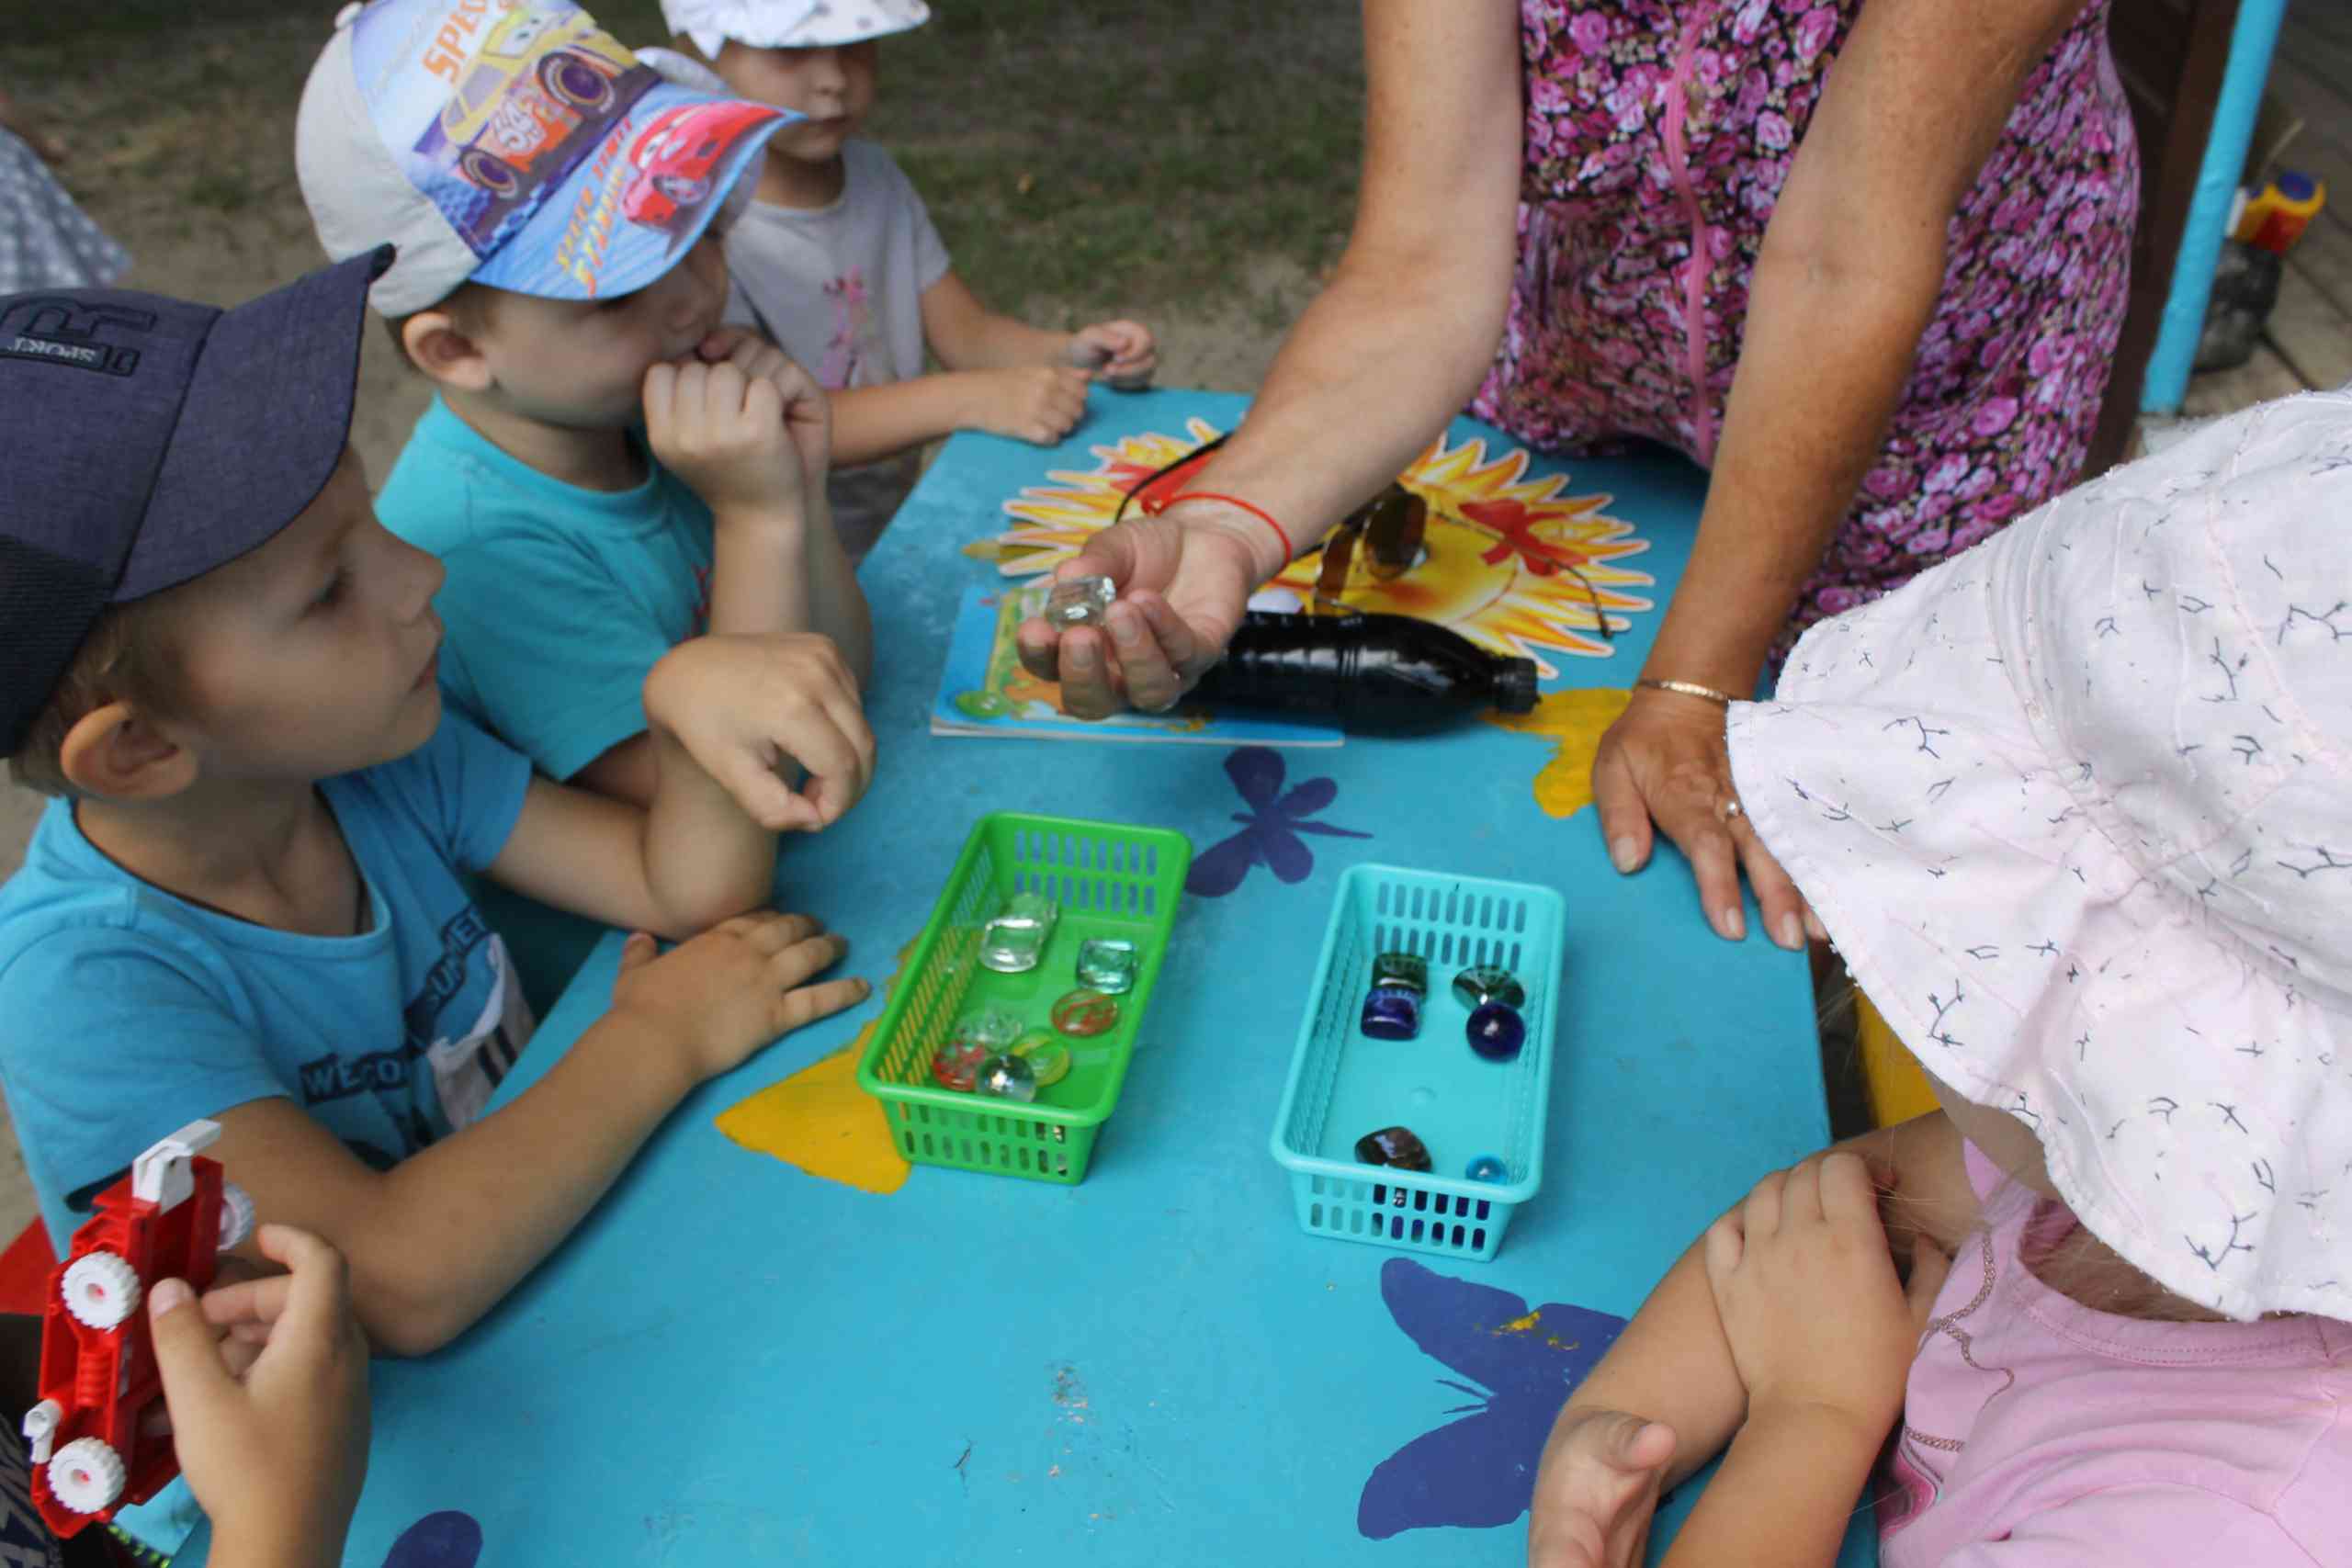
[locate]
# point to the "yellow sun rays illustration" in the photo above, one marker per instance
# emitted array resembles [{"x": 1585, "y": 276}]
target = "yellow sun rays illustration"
[{"x": 1510, "y": 561}]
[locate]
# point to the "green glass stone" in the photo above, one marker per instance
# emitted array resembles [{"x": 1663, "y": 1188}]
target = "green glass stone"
[
  {"x": 1483, "y": 983},
  {"x": 1408, "y": 970}
]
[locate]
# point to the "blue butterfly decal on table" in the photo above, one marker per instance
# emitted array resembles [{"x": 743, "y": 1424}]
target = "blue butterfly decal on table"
[
  {"x": 446, "y": 1540},
  {"x": 1479, "y": 1472},
  {"x": 1270, "y": 829}
]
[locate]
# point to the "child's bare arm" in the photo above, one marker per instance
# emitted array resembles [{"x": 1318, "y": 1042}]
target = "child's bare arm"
[
  {"x": 1822, "y": 1333},
  {"x": 1003, "y": 376},
  {"x": 967, "y": 336},
  {"x": 437, "y": 1240},
  {"x": 726, "y": 714},
  {"x": 721, "y": 427},
  {"x": 1673, "y": 1364},
  {"x": 1038, "y": 403},
  {"x": 813, "y": 586}
]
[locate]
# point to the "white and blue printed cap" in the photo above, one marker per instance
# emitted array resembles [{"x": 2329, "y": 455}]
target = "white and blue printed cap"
[
  {"x": 789, "y": 24},
  {"x": 2074, "y": 806},
  {"x": 512, "y": 144}
]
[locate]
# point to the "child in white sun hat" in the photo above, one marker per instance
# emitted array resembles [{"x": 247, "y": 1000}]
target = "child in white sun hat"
[
  {"x": 837, "y": 260},
  {"x": 2076, "y": 807}
]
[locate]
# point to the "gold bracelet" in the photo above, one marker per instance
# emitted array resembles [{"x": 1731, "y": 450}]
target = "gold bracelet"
[{"x": 1688, "y": 689}]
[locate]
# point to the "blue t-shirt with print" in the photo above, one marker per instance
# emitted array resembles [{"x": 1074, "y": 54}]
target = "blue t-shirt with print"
[
  {"x": 558, "y": 599},
  {"x": 127, "y": 1013}
]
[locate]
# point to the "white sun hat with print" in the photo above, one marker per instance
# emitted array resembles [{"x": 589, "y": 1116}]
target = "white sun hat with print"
[
  {"x": 790, "y": 23},
  {"x": 513, "y": 144},
  {"x": 2076, "y": 807}
]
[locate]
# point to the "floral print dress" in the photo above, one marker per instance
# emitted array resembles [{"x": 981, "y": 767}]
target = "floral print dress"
[{"x": 1658, "y": 135}]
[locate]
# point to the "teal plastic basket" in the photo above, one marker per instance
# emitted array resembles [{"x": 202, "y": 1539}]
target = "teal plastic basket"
[{"x": 1344, "y": 1084}]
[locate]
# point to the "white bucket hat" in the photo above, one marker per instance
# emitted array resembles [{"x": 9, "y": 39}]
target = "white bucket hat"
[
  {"x": 513, "y": 144},
  {"x": 2076, "y": 807},
  {"x": 790, "y": 23}
]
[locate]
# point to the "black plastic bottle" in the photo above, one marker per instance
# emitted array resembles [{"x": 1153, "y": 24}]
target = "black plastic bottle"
[{"x": 1373, "y": 674}]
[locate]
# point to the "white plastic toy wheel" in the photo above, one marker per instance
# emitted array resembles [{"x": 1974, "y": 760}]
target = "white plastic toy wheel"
[
  {"x": 86, "y": 1475},
  {"x": 100, "y": 1288},
  {"x": 236, "y": 1214}
]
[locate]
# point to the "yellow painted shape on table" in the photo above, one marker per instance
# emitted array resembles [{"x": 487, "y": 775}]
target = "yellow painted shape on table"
[
  {"x": 821, "y": 1122},
  {"x": 1578, "y": 719}
]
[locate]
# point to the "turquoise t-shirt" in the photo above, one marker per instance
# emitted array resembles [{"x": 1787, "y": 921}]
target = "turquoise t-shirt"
[
  {"x": 127, "y": 1013},
  {"x": 558, "y": 599}
]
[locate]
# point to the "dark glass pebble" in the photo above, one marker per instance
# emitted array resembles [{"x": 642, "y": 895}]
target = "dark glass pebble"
[
  {"x": 1397, "y": 1146},
  {"x": 1495, "y": 1031},
  {"x": 1392, "y": 1012}
]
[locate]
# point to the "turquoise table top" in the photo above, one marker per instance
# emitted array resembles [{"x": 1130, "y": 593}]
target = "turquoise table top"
[{"x": 734, "y": 1361}]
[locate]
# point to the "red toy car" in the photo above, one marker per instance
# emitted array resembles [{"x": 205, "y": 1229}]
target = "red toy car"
[
  {"x": 674, "y": 156},
  {"x": 88, "y": 1438}
]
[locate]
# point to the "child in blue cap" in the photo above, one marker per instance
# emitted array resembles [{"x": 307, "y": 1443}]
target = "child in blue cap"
[
  {"x": 247, "y": 902},
  {"x": 605, "y": 473}
]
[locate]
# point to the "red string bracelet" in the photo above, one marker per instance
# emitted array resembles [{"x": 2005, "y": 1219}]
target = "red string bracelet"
[{"x": 1260, "y": 513}]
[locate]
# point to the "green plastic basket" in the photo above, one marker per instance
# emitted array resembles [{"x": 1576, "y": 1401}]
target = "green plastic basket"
[{"x": 1110, "y": 880}]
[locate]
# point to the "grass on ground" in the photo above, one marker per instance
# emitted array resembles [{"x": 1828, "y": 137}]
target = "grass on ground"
[{"x": 1077, "y": 154}]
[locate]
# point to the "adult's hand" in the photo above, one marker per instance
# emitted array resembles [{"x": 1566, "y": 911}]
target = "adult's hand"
[
  {"x": 1664, "y": 766},
  {"x": 1184, "y": 578}
]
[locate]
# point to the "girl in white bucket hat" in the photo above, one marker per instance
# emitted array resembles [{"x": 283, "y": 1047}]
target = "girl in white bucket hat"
[
  {"x": 835, "y": 258},
  {"x": 2076, "y": 807}
]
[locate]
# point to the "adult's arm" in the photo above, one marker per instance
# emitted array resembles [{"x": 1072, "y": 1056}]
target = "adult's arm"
[
  {"x": 1388, "y": 353},
  {"x": 1847, "y": 278}
]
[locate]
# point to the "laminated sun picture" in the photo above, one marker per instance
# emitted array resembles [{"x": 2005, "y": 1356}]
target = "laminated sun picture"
[{"x": 1508, "y": 558}]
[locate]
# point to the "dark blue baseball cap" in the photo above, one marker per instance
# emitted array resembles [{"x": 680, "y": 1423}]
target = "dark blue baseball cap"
[{"x": 151, "y": 440}]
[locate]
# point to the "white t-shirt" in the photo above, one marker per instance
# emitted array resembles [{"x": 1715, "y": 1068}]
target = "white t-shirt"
[{"x": 840, "y": 288}]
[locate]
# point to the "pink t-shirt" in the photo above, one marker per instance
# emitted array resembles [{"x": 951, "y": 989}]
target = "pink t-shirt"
[{"x": 2038, "y": 1431}]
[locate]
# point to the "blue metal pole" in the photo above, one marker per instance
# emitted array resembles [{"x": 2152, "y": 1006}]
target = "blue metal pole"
[{"x": 2251, "y": 43}]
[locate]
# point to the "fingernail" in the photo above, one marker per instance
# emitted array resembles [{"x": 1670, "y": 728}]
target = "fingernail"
[
  {"x": 1624, "y": 854},
  {"x": 167, "y": 1295},
  {"x": 1814, "y": 928},
  {"x": 1792, "y": 932},
  {"x": 1732, "y": 924}
]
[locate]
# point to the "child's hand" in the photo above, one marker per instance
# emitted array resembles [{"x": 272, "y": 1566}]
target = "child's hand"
[
  {"x": 722, "y": 431},
  {"x": 1597, "y": 1489},
  {"x": 743, "y": 706},
  {"x": 734, "y": 989},
  {"x": 808, "y": 412},
  {"x": 1032, "y": 402},
  {"x": 1808, "y": 1296},
  {"x": 271, "y": 1424},
  {"x": 1120, "y": 354}
]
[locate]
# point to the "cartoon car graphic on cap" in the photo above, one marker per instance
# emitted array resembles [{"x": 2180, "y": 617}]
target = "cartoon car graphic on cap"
[
  {"x": 90, "y": 1438},
  {"x": 676, "y": 154},
  {"x": 536, "y": 78}
]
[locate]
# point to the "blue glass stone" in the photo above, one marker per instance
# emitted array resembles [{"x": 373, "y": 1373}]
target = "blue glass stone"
[
  {"x": 1486, "y": 1168},
  {"x": 1495, "y": 1031},
  {"x": 1108, "y": 964},
  {"x": 1392, "y": 1012}
]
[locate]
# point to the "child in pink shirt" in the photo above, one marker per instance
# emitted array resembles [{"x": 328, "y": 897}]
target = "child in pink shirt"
[{"x": 2075, "y": 807}]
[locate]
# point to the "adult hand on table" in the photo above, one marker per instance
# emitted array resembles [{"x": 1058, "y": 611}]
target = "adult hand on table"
[
  {"x": 1665, "y": 763},
  {"x": 1184, "y": 578}
]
